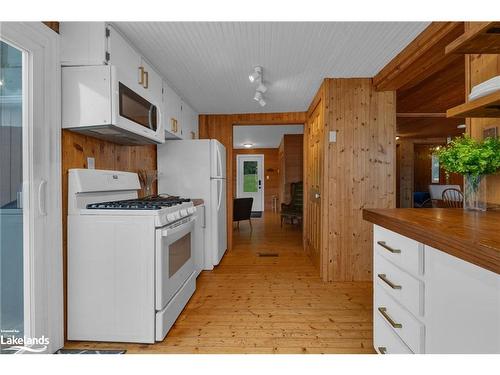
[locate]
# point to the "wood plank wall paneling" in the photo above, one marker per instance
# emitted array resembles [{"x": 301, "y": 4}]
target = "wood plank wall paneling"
[
  {"x": 362, "y": 172},
  {"x": 291, "y": 164},
  {"x": 271, "y": 169},
  {"x": 75, "y": 150},
  {"x": 480, "y": 68},
  {"x": 220, "y": 127}
]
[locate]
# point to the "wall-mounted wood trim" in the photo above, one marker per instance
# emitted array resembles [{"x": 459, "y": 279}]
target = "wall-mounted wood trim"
[
  {"x": 420, "y": 115},
  {"x": 422, "y": 57}
]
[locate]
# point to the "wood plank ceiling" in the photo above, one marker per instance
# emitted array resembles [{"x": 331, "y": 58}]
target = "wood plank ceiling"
[{"x": 208, "y": 63}]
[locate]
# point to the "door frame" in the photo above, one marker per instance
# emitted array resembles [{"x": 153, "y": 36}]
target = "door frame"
[
  {"x": 43, "y": 273},
  {"x": 261, "y": 173}
]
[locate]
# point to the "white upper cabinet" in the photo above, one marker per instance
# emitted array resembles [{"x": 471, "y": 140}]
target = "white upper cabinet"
[
  {"x": 126, "y": 59},
  {"x": 98, "y": 43},
  {"x": 173, "y": 113},
  {"x": 83, "y": 43},
  {"x": 189, "y": 122},
  {"x": 151, "y": 81}
]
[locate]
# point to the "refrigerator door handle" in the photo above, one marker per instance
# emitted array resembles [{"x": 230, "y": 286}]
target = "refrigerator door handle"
[
  {"x": 219, "y": 162},
  {"x": 220, "y": 193}
]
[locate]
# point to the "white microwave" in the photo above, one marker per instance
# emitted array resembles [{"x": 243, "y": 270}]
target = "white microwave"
[{"x": 96, "y": 102}]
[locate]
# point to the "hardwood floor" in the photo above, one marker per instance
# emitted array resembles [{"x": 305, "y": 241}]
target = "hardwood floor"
[{"x": 253, "y": 304}]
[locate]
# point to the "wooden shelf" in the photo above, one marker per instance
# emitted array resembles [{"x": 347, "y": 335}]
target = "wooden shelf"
[
  {"x": 484, "y": 38},
  {"x": 487, "y": 106}
]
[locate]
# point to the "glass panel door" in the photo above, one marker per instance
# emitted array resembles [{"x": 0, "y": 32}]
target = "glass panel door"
[
  {"x": 250, "y": 177},
  {"x": 11, "y": 191}
]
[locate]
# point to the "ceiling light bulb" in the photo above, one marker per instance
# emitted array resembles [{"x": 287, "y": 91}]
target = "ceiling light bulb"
[
  {"x": 262, "y": 102},
  {"x": 247, "y": 145},
  {"x": 397, "y": 138},
  {"x": 258, "y": 96},
  {"x": 261, "y": 88},
  {"x": 256, "y": 74},
  {"x": 1, "y": 82}
]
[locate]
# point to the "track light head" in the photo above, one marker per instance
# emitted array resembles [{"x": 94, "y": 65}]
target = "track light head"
[
  {"x": 257, "y": 72},
  {"x": 262, "y": 102},
  {"x": 258, "y": 96},
  {"x": 261, "y": 88}
]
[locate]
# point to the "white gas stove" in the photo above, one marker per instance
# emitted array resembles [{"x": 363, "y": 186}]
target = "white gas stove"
[{"x": 130, "y": 259}]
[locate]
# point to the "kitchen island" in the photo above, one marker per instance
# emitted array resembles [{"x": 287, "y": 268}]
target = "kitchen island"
[{"x": 436, "y": 280}]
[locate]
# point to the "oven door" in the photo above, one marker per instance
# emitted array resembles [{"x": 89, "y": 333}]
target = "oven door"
[{"x": 174, "y": 259}]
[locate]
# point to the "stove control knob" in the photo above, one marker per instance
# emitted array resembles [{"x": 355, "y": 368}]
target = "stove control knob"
[
  {"x": 191, "y": 210},
  {"x": 170, "y": 217},
  {"x": 184, "y": 213}
]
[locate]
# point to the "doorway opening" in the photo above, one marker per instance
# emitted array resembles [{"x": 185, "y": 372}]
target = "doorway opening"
[{"x": 267, "y": 182}]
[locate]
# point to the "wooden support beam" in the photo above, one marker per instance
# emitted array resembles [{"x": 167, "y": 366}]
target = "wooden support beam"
[
  {"x": 422, "y": 57},
  {"x": 421, "y": 115}
]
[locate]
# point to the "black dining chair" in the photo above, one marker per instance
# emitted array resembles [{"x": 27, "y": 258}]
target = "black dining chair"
[{"x": 242, "y": 210}]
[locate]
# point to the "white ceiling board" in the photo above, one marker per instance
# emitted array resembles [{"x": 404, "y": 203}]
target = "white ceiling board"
[
  {"x": 263, "y": 136},
  {"x": 208, "y": 63}
]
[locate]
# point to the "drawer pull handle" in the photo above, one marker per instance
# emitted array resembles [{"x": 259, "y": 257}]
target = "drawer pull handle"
[
  {"x": 387, "y": 247},
  {"x": 382, "y": 277},
  {"x": 382, "y": 349},
  {"x": 383, "y": 311}
]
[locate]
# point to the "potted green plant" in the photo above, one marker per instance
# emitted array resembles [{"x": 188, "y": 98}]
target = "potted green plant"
[{"x": 474, "y": 160}]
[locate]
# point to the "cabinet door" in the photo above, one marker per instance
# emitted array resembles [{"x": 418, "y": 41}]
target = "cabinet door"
[
  {"x": 126, "y": 60},
  {"x": 172, "y": 110},
  {"x": 185, "y": 123},
  {"x": 83, "y": 43},
  {"x": 151, "y": 82},
  {"x": 189, "y": 122}
]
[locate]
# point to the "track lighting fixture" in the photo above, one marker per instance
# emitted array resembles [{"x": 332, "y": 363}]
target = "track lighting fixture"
[
  {"x": 258, "y": 96},
  {"x": 256, "y": 76},
  {"x": 257, "y": 73},
  {"x": 261, "y": 88}
]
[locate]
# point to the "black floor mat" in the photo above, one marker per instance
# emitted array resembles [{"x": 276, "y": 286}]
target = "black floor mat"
[{"x": 256, "y": 214}]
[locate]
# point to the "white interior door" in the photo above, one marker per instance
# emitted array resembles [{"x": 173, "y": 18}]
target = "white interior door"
[
  {"x": 250, "y": 181},
  {"x": 30, "y": 187}
]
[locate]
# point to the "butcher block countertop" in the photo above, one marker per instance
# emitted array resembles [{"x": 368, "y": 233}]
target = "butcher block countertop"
[{"x": 468, "y": 235}]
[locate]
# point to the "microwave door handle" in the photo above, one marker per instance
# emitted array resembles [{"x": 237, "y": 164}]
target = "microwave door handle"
[{"x": 150, "y": 116}]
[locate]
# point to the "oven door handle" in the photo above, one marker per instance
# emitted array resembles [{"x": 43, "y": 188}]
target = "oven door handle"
[{"x": 183, "y": 229}]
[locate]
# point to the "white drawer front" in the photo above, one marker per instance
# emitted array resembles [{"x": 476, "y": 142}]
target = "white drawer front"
[
  {"x": 403, "y": 287},
  {"x": 400, "y": 320},
  {"x": 386, "y": 341},
  {"x": 403, "y": 251}
]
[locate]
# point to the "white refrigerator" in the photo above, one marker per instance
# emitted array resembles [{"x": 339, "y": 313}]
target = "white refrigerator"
[{"x": 197, "y": 169}]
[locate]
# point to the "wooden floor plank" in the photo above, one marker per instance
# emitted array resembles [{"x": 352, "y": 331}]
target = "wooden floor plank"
[{"x": 252, "y": 304}]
